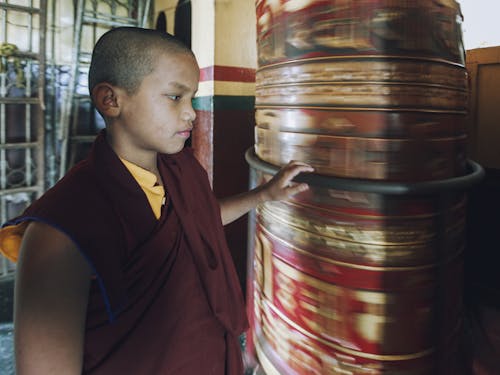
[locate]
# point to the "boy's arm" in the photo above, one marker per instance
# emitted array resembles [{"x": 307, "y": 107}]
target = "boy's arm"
[
  {"x": 51, "y": 295},
  {"x": 279, "y": 187}
]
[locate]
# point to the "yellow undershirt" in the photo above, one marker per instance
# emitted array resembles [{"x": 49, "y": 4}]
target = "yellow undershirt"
[
  {"x": 11, "y": 236},
  {"x": 149, "y": 184}
]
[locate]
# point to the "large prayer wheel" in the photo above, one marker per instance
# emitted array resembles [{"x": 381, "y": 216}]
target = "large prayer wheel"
[
  {"x": 362, "y": 273},
  {"x": 372, "y": 89},
  {"x": 359, "y": 276}
]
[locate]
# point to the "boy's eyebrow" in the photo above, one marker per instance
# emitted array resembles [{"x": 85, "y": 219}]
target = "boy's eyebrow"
[{"x": 179, "y": 85}]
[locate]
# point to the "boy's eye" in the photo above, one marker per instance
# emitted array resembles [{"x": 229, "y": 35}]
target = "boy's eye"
[{"x": 174, "y": 97}]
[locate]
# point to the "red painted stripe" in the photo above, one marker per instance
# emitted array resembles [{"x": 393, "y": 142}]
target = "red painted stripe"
[
  {"x": 227, "y": 73},
  {"x": 207, "y": 74}
]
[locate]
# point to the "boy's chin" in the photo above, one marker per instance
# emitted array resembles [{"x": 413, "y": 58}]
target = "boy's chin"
[{"x": 173, "y": 150}]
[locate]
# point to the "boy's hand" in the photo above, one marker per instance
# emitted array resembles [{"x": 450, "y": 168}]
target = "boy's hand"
[{"x": 281, "y": 185}]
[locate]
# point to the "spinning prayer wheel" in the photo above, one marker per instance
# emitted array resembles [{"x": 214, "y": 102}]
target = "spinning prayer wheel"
[
  {"x": 361, "y": 274},
  {"x": 365, "y": 89}
]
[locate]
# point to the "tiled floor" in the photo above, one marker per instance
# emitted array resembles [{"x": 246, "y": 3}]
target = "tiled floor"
[
  {"x": 484, "y": 328},
  {"x": 481, "y": 336},
  {"x": 483, "y": 345},
  {"x": 6, "y": 344}
]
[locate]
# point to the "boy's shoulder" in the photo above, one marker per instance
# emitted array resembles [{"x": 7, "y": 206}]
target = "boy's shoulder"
[
  {"x": 79, "y": 179},
  {"x": 74, "y": 198}
]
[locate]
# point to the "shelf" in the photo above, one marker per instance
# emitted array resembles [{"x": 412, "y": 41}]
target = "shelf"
[
  {"x": 19, "y": 8},
  {"x": 19, "y": 100}
]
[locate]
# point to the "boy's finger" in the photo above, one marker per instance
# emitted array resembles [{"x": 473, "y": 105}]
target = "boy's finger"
[
  {"x": 289, "y": 174},
  {"x": 297, "y": 188},
  {"x": 293, "y": 163}
]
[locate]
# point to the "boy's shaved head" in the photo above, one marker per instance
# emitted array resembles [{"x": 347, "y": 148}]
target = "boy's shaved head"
[{"x": 125, "y": 55}]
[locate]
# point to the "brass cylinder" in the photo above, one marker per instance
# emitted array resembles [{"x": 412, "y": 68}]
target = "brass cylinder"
[
  {"x": 361, "y": 275},
  {"x": 359, "y": 281},
  {"x": 363, "y": 89}
]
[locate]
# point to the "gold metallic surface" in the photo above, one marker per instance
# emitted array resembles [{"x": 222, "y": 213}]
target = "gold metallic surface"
[
  {"x": 358, "y": 253},
  {"x": 366, "y": 204},
  {"x": 372, "y": 124},
  {"x": 370, "y": 158},
  {"x": 321, "y": 308},
  {"x": 364, "y": 69},
  {"x": 381, "y": 241},
  {"x": 267, "y": 266},
  {"x": 299, "y": 353},
  {"x": 380, "y": 231},
  {"x": 363, "y": 94},
  {"x": 291, "y": 30},
  {"x": 355, "y": 282},
  {"x": 285, "y": 334},
  {"x": 267, "y": 365}
]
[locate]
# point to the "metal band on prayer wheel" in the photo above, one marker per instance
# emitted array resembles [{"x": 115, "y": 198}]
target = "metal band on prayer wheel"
[{"x": 349, "y": 278}]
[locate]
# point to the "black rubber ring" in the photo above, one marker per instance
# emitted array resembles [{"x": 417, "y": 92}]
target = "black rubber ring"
[{"x": 474, "y": 174}]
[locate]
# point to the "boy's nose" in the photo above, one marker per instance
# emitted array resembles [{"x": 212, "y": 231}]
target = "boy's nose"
[{"x": 189, "y": 113}]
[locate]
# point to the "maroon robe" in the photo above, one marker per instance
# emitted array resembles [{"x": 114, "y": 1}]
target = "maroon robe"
[{"x": 165, "y": 298}]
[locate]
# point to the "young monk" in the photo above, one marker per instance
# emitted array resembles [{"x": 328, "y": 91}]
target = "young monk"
[{"x": 123, "y": 267}]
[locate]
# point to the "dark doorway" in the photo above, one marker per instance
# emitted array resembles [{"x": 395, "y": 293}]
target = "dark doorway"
[
  {"x": 182, "y": 24},
  {"x": 161, "y": 22}
]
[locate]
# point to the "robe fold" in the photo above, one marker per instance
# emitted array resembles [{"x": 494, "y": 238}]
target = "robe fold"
[{"x": 165, "y": 297}]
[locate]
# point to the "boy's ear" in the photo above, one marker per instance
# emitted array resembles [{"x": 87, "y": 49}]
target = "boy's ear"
[{"x": 104, "y": 96}]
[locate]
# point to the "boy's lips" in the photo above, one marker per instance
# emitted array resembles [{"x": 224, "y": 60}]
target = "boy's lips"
[{"x": 185, "y": 133}]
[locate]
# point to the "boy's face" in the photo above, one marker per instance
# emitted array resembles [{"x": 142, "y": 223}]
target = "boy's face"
[{"x": 159, "y": 116}]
